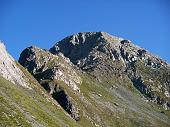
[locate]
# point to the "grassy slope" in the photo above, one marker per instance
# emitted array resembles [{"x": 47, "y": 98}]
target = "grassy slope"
[
  {"x": 23, "y": 107},
  {"x": 98, "y": 104},
  {"x": 127, "y": 107},
  {"x": 121, "y": 107}
]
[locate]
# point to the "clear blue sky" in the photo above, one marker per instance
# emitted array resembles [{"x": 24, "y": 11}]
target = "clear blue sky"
[{"x": 43, "y": 22}]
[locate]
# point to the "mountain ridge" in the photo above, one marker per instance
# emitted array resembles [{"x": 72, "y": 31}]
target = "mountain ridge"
[
  {"x": 105, "y": 60},
  {"x": 96, "y": 79}
]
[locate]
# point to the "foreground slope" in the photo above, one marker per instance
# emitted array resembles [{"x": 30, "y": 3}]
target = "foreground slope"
[
  {"x": 22, "y": 100},
  {"x": 101, "y": 80}
]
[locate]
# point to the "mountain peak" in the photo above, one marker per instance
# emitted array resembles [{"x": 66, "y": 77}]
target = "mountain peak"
[
  {"x": 84, "y": 37},
  {"x": 79, "y": 45},
  {"x": 95, "y": 73}
]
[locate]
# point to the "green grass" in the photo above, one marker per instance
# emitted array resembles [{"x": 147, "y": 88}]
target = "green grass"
[
  {"x": 124, "y": 115},
  {"x": 11, "y": 116},
  {"x": 14, "y": 97}
]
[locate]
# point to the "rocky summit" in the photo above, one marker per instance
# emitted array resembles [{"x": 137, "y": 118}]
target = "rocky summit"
[{"x": 87, "y": 79}]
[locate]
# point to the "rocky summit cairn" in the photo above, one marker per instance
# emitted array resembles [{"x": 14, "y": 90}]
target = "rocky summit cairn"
[{"x": 9, "y": 70}]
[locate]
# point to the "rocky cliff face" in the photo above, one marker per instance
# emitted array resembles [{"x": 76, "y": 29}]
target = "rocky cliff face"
[
  {"x": 45, "y": 65},
  {"x": 9, "y": 70},
  {"x": 99, "y": 52},
  {"x": 51, "y": 69}
]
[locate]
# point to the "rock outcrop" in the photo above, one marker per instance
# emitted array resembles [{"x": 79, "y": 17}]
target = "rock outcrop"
[
  {"x": 50, "y": 69},
  {"x": 9, "y": 70},
  {"x": 46, "y": 66}
]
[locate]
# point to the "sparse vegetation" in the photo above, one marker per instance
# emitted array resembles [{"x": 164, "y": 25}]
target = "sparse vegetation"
[
  {"x": 88, "y": 79},
  {"x": 33, "y": 104}
]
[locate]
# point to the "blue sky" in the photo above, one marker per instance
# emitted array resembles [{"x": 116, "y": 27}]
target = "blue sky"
[{"x": 44, "y": 22}]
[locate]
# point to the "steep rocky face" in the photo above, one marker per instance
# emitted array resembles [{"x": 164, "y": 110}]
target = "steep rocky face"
[
  {"x": 101, "y": 54},
  {"x": 46, "y": 66},
  {"x": 9, "y": 70},
  {"x": 77, "y": 47},
  {"x": 102, "y": 80},
  {"x": 82, "y": 48},
  {"x": 49, "y": 69}
]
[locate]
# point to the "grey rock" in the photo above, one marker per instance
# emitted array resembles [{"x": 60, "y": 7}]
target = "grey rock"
[
  {"x": 44, "y": 65},
  {"x": 49, "y": 69},
  {"x": 99, "y": 52},
  {"x": 9, "y": 69},
  {"x": 130, "y": 78},
  {"x": 61, "y": 96}
]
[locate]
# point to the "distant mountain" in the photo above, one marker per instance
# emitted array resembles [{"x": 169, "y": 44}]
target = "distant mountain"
[{"x": 86, "y": 79}]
